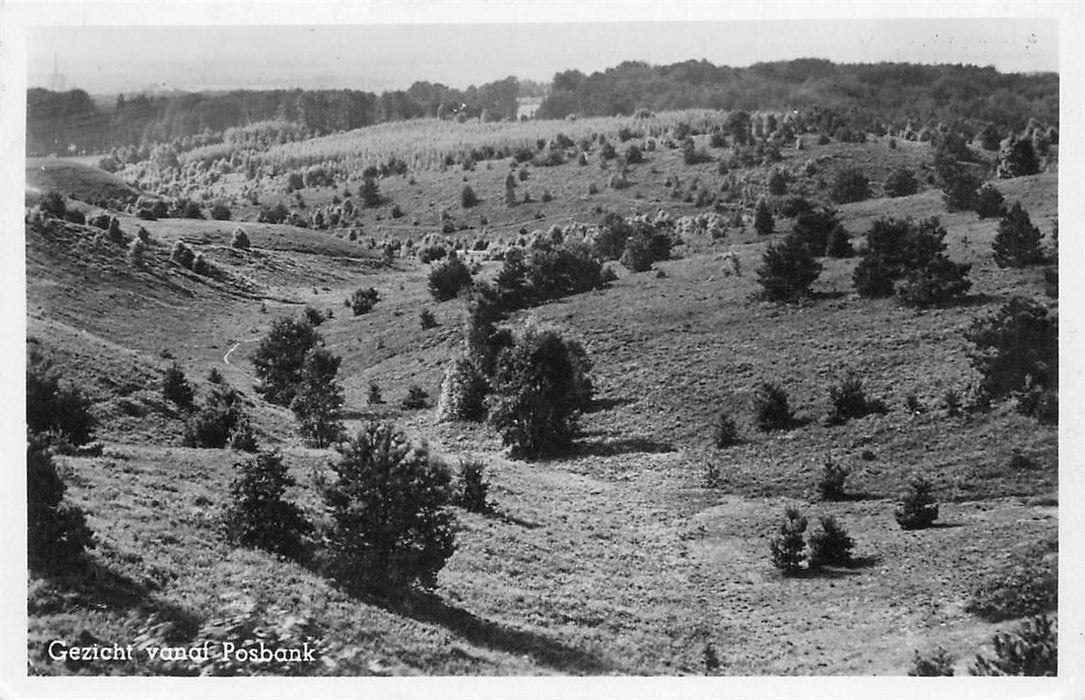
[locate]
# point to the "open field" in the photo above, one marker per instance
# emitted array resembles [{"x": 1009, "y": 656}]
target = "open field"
[{"x": 616, "y": 558}]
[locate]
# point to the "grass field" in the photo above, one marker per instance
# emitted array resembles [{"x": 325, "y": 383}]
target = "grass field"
[{"x": 616, "y": 559}]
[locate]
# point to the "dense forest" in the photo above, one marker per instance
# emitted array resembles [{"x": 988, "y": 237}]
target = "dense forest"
[{"x": 873, "y": 97}]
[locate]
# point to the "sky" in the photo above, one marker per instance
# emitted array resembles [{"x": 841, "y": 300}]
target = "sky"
[{"x": 476, "y": 47}]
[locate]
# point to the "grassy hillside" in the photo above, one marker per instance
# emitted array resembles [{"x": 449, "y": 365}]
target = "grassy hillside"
[
  {"x": 75, "y": 179},
  {"x": 615, "y": 559}
]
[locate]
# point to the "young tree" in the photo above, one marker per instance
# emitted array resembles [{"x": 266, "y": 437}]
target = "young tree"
[
  {"x": 257, "y": 515},
  {"x": 362, "y": 301},
  {"x": 850, "y": 185},
  {"x": 762, "y": 221},
  {"x": 447, "y": 279},
  {"x": 989, "y": 202},
  {"x": 391, "y": 525},
  {"x": 1017, "y": 243},
  {"x": 240, "y": 239},
  {"x": 1017, "y": 157},
  {"x": 901, "y": 183},
  {"x": 788, "y": 269},
  {"x": 369, "y": 191},
  {"x": 279, "y": 359},
  {"x": 61, "y": 410},
  {"x": 176, "y": 388},
  {"x": 319, "y": 398},
  {"x": 788, "y": 546},
  {"x": 57, "y": 531},
  {"x": 1016, "y": 349}
]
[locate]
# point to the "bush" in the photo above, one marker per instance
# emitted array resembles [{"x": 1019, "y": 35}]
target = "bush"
[
  {"x": 175, "y": 387},
  {"x": 778, "y": 182},
  {"x": 318, "y": 398},
  {"x": 463, "y": 392},
  {"x": 369, "y": 191},
  {"x": 565, "y": 270},
  {"x": 771, "y": 408},
  {"x": 220, "y": 212},
  {"x": 850, "y": 401},
  {"x": 813, "y": 228},
  {"x": 839, "y": 245},
  {"x": 919, "y": 508},
  {"x": 830, "y": 546},
  {"x": 938, "y": 663},
  {"x": 788, "y": 547},
  {"x": 1017, "y": 157},
  {"x": 373, "y": 395},
  {"x": 243, "y": 437},
  {"x": 431, "y": 253},
  {"x": 647, "y": 244},
  {"x": 726, "y": 431},
  {"x": 1017, "y": 243},
  {"x": 240, "y": 239},
  {"x": 380, "y": 472},
  {"x": 941, "y": 281},
  {"x": 541, "y": 386},
  {"x": 137, "y": 249},
  {"x": 633, "y": 155},
  {"x": 362, "y": 301},
  {"x": 850, "y": 185},
  {"x": 1016, "y": 350},
  {"x": 475, "y": 487},
  {"x": 900, "y": 248},
  {"x": 901, "y": 183},
  {"x": 1027, "y": 586},
  {"x": 468, "y": 198},
  {"x": 787, "y": 270},
  {"x": 278, "y": 360},
  {"x": 59, "y": 410},
  {"x": 215, "y": 421},
  {"x": 448, "y": 279},
  {"x": 989, "y": 202},
  {"x": 183, "y": 255},
  {"x": 417, "y": 398},
  {"x": 831, "y": 484},
  {"x": 959, "y": 186},
  {"x": 427, "y": 319},
  {"x": 57, "y": 531},
  {"x": 257, "y": 515},
  {"x": 1033, "y": 650}
]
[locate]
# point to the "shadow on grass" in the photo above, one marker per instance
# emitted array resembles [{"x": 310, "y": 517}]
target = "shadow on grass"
[
  {"x": 943, "y": 526},
  {"x": 621, "y": 446},
  {"x": 509, "y": 519},
  {"x": 495, "y": 636},
  {"x": 838, "y": 571}
]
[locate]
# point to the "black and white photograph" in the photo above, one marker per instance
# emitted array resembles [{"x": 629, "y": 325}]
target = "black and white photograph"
[{"x": 642, "y": 349}]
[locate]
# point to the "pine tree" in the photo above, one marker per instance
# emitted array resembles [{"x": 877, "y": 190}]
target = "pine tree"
[
  {"x": 788, "y": 269},
  {"x": 319, "y": 398},
  {"x": 279, "y": 358},
  {"x": 763, "y": 222},
  {"x": 787, "y": 547},
  {"x": 1017, "y": 157},
  {"x": 1017, "y": 243}
]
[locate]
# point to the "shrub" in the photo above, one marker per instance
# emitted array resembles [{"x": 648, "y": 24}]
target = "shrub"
[
  {"x": 417, "y": 398},
  {"x": 951, "y": 400},
  {"x": 214, "y": 376},
  {"x": 200, "y": 265},
  {"x": 726, "y": 431},
  {"x": 1017, "y": 157},
  {"x": 553, "y": 273},
  {"x": 57, "y": 531},
  {"x": 989, "y": 202},
  {"x": 646, "y": 245},
  {"x": 431, "y": 253},
  {"x": 900, "y": 248},
  {"x": 448, "y": 279},
  {"x": 468, "y": 198},
  {"x": 1027, "y": 586},
  {"x": 318, "y": 398},
  {"x": 830, "y": 546},
  {"x": 772, "y": 410},
  {"x": 850, "y": 185},
  {"x": 938, "y": 663},
  {"x": 939, "y": 282},
  {"x": 240, "y": 239},
  {"x": 959, "y": 185},
  {"x": 762, "y": 220},
  {"x": 61, "y": 410},
  {"x": 901, "y": 183},
  {"x": 919, "y": 508},
  {"x": 373, "y": 395},
  {"x": 220, "y": 212},
  {"x": 475, "y": 486},
  {"x": 541, "y": 386},
  {"x": 278, "y": 360},
  {"x": 813, "y": 228},
  {"x": 778, "y": 182},
  {"x": 787, "y": 546},
  {"x": 243, "y": 437},
  {"x": 362, "y": 301},
  {"x": 850, "y": 401},
  {"x": 216, "y": 420},
  {"x": 1016, "y": 350},
  {"x": 427, "y": 319},
  {"x": 390, "y": 523},
  {"x": 463, "y": 392},
  {"x": 257, "y": 515},
  {"x": 1033, "y": 650},
  {"x": 137, "y": 249},
  {"x": 787, "y": 270},
  {"x": 183, "y": 255},
  {"x": 54, "y": 204},
  {"x": 831, "y": 484},
  {"x": 175, "y": 387},
  {"x": 369, "y": 191},
  {"x": 839, "y": 245},
  {"x": 1017, "y": 243},
  {"x": 312, "y": 316}
]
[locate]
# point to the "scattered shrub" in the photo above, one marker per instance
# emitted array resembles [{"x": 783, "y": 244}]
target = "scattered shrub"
[
  {"x": 772, "y": 410},
  {"x": 257, "y": 515},
  {"x": 318, "y": 398},
  {"x": 60, "y": 410},
  {"x": 427, "y": 319},
  {"x": 989, "y": 202},
  {"x": 417, "y": 398},
  {"x": 243, "y": 437},
  {"x": 830, "y": 546},
  {"x": 373, "y": 395},
  {"x": 1033, "y": 650},
  {"x": 938, "y": 663},
  {"x": 831, "y": 484},
  {"x": 362, "y": 301},
  {"x": 381, "y": 472},
  {"x": 279, "y": 358},
  {"x": 787, "y": 546},
  {"x": 901, "y": 183},
  {"x": 183, "y": 255},
  {"x": 813, "y": 227},
  {"x": 646, "y": 244},
  {"x": 787, "y": 270},
  {"x": 763, "y": 222},
  {"x": 448, "y": 279},
  {"x": 312, "y": 316},
  {"x": 1029, "y": 585},
  {"x": 919, "y": 508},
  {"x": 220, "y": 212},
  {"x": 1017, "y": 352},
  {"x": 839, "y": 244},
  {"x": 240, "y": 240},
  {"x": 475, "y": 486},
  {"x": 463, "y": 392},
  {"x": 849, "y": 400},
  {"x": 215, "y": 421},
  {"x": 468, "y": 198},
  {"x": 1017, "y": 243},
  {"x": 369, "y": 191},
  {"x": 57, "y": 531},
  {"x": 1017, "y": 157},
  {"x": 850, "y": 185},
  {"x": 726, "y": 431},
  {"x": 175, "y": 387}
]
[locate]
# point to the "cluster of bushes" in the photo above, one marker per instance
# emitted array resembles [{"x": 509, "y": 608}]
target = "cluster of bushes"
[
  {"x": 636, "y": 241},
  {"x": 362, "y": 301},
  {"x": 189, "y": 259},
  {"x": 1030, "y": 650},
  {"x": 899, "y": 250},
  {"x": 829, "y": 546},
  {"x": 448, "y": 279}
]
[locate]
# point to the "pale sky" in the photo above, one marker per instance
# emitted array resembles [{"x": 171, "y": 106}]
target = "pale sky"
[{"x": 106, "y": 59}]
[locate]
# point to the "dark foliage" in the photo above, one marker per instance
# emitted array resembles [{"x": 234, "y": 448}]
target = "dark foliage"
[
  {"x": 762, "y": 221},
  {"x": 474, "y": 487},
  {"x": 1033, "y": 650},
  {"x": 901, "y": 183},
  {"x": 278, "y": 360},
  {"x": 216, "y": 420},
  {"x": 850, "y": 185},
  {"x": 726, "y": 431},
  {"x": 813, "y": 228},
  {"x": 830, "y": 546},
  {"x": 175, "y": 387},
  {"x": 831, "y": 483},
  {"x": 938, "y": 663},
  {"x": 1027, "y": 586},
  {"x": 919, "y": 507},
  {"x": 989, "y": 202},
  {"x": 788, "y": 269},
  {"x": 257, "y": 515},
  {"x": 839, "y": 245},
  {"x": 449, "y": 278},
  {"x": 771, "y": 408},
  {"x": 60, "y": 410},
  {"x": 57, "y": 531},
  {"x": 787, "y": 546},
  {"x": 427, "y": 319},
  {"x": 318, "y": 398},
  {"x": 1017, "y": 158},
  {"x": 417, "y": 398},
  {"x": 1017, "y": 243},
  {"x": 362, "y": 301}
]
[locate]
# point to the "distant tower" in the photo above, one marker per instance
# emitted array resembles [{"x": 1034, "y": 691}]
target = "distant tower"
[{"x": 56, "y": 79}]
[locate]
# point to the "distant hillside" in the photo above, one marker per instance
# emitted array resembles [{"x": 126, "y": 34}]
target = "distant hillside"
[{"x": 85, "y": 182}]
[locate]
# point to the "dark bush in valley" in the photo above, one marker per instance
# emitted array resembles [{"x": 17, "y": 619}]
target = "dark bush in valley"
[
  {"x": 1017, "y": 243},
  {"x": 215, "y": 421},
  {"x": 850, "y": 185},
  {"x": 919, "y": 507},
  {"x": 279, "y": 358},
  {"x": 901, "y": 183},
  {"x": 175, "y": 388},
  {"x": 448, "y": 279},
  {"x": 830, "y": 546},
  {"x": 788, "y": 269},
  {"x": 58, "y": 410},
  {"x": 57, "y": 531},
  {"x": 849, "y": 400},
  {"x": 362, "y": 301},
  {"x": 788, "y": 547},
  {"x": 989, "y": 202},
  {"x": 258, "y": 515},
  {"x": 772, "y": 410}
]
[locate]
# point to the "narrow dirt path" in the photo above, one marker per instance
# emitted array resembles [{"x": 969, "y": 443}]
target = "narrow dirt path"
[{"x": 226, "y": 357}]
